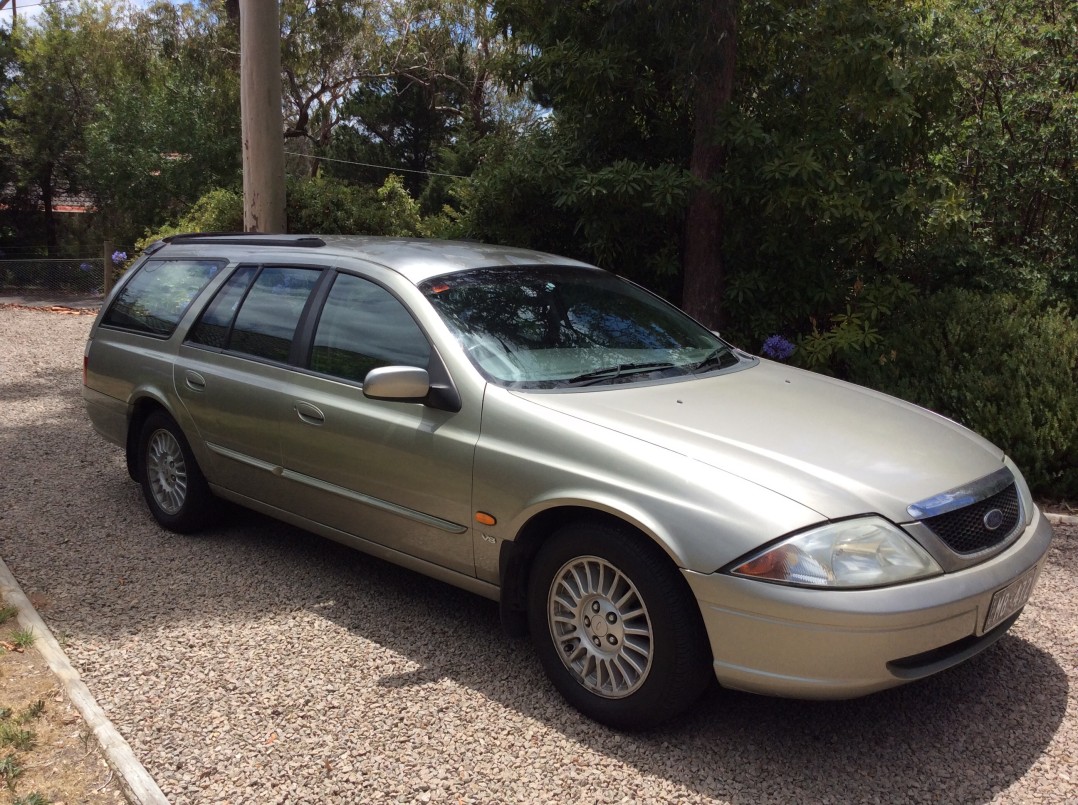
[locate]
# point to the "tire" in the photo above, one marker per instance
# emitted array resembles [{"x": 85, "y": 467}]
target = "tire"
[
  {"x": 644, "y": 657},
  {"x": 172, "y": 483}
]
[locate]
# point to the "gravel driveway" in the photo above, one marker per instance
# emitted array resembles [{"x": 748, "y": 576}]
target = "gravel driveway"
[{"x": 256, "y": 663}]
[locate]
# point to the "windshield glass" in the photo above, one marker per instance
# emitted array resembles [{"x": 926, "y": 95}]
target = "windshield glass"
[{"x": 541, "y": 327}]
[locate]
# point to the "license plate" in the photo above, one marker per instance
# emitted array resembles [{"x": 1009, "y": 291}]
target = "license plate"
[{"x": 1010, "y": 599}]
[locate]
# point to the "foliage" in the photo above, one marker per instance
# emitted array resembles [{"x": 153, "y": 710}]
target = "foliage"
[
  {"x": 830, "y": 186},
  {"x": 143, "y": 130},
  {"x": 408, "y": 86},
  {"x": 8, "y": 70},
  {"x": 33, "y": 798},
  {"x": 23, "y": 638},
  {"x": 314, "y": 205},
  {"x": 11, "y": 734},
  {"x": 853, "y": 338},
  {"x": 330, "y": 206},
  {"x": 1015, "y": 143},
  {"x": 828, "y": 180},
  {"x": 41, "y": 133},
  {"x": 10, "y": 770},
  {"x": 1006, "y": 367},
  {"x": 605, "y": 177},
  {"x": 219, "y": 210}
]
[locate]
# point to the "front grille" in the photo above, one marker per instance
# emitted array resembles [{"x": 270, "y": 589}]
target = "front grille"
[{"x": 964, "y": 530}]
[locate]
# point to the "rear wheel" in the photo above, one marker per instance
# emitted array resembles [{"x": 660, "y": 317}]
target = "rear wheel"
[
  {"x": 615, "y": 626},
  {"x": 172, "y": 483}
]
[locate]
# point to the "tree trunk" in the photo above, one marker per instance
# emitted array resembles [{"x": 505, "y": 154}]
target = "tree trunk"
[
  {"x": 46, "y": 185},
  {"x": 702, "y": 259}
]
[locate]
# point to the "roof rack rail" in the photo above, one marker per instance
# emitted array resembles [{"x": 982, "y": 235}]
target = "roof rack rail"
[{"x": 248, "y": 239}]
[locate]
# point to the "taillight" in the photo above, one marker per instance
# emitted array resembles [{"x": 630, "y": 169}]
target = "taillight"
[{"x": 85, "y": 360}]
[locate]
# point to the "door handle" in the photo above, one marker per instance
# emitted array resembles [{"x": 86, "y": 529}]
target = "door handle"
[
  {"x": 195, "y": 381},
  {"x": 309, "y": 413}
]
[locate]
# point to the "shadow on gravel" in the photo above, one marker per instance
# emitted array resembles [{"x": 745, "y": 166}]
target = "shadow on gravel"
[{"x": 970, "y": 732}]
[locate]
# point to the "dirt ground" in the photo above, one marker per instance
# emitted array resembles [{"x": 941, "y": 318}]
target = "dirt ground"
[{"x": 64, "y": 763}]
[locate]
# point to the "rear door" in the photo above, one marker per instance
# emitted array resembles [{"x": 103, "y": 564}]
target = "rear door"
[{"x": 233, "y": 374}]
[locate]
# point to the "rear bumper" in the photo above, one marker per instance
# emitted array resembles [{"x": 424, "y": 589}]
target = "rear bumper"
[
  {"x": 828, "y": 644},
  {"x": 108, "y": 415}
]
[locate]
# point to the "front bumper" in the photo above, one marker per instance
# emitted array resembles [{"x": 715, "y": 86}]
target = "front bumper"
[{"x": 839, "y": 644}]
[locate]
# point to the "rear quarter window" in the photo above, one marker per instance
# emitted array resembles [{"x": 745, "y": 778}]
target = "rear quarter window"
[{"x": 154, "y": 300}]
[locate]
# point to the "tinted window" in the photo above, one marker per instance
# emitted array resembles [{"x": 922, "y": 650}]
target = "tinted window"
[
  {"x": 266, "y": 322},
  {"x": 156, "y": 297},
  {"x": 364, "y": 326},
  {"x": 213, "y": 326}
]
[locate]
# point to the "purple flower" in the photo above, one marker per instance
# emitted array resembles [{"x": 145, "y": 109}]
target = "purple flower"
[
  {"x": 85, "y": 267},
  {"x": 118, "y": 257},
  {"x": 778, "y": 348}
]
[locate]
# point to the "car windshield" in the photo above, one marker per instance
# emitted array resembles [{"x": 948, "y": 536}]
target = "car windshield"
[{"x": 543, "y": 328}]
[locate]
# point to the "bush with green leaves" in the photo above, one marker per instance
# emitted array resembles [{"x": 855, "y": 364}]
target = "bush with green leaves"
[
  {"x": 1004, "y": 366},
  {"x": 319, "y": 205}
]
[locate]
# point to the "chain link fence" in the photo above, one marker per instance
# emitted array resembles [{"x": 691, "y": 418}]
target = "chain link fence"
[{"x": 85, "y": 276}]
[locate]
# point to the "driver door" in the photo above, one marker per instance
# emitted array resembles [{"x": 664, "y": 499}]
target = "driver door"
[{"x": 395, "y": 473}]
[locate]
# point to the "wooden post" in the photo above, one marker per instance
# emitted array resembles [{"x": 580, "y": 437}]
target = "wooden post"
[
  {"x": 107, "y": 283},
  {"x": 261, "y": 120}
]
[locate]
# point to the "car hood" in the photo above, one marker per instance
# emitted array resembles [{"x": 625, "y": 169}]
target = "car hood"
[{"x": 837, "y": 448}]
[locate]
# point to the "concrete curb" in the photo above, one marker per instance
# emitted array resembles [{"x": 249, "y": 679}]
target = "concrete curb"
[
  {"x": 1066, "y": 519},
  {"x": 137, "y": 784}
]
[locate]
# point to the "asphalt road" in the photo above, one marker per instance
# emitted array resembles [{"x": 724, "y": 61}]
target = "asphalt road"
[{"x": 257, "y": 663}]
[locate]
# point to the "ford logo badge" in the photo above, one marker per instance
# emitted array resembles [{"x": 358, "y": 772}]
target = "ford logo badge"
[{"x": 993, "y": 519}]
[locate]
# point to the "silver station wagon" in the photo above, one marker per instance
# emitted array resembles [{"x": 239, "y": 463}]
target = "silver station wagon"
[{"x": 656, "y": 507}]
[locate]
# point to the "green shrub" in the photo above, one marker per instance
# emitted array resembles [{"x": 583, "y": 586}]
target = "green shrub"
[
  {"x": 219, "y": 210},
  {"x": 321, "y": 205},
  {"x": 1003, "y": 366}
]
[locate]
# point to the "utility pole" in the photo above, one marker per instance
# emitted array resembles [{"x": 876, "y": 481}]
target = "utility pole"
[{"x": 260, "y": 109}]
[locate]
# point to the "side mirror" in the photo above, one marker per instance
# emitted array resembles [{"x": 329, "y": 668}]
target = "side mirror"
[{"x": 397, "y": 383}]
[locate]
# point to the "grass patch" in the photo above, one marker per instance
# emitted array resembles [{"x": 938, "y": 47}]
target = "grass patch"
[
  {"x": 33, "y": 711},
  {"x": 23, "y": 638},
  {"x": 11, "y": 730},
  {"x": 10, "y": 769},
  {"x": 32, "y": 799},
  {"x": 11, "y": 734},
  {"x": 7, "y": 613}
]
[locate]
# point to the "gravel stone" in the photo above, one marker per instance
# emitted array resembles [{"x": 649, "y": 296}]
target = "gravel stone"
[{"x": 255, "y": 663}]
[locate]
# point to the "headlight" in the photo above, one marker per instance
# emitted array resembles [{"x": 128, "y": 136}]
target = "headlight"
[{"x": 866, "y": 552}]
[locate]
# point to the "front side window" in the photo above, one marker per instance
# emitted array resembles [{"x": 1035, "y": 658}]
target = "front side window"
[
  {"x": 539, "y": 327},
  {"x": 154, "y": 300},
  {"x": 363, "y": 326}
]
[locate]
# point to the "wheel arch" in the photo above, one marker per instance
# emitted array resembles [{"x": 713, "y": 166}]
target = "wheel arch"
[
  {"x": 141, "y": 409},
  {"x": 516, "y": 555}
]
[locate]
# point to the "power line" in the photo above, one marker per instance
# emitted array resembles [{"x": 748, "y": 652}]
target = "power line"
[
  {"x": 21, "y": 6},
  {"x": 371, "y": 165}
]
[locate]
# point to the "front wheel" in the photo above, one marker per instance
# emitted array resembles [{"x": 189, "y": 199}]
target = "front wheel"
[
  {"x": 615, "y": 626},
  {"x": 172, "y": 483}
]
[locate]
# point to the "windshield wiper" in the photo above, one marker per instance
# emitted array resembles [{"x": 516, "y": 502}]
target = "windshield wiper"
[
  {"x": 720, "y": 356},
  {"x": 620, "y": 370}
]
